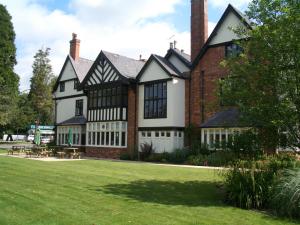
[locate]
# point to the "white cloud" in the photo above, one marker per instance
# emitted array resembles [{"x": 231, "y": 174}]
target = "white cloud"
[
  {"x": 116, "y": 25},
  {"x": 224, "y": 3}
]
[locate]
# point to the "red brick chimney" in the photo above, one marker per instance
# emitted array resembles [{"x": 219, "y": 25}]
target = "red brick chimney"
[
  {"x": 199, "y": 26},
  {"x": 74, "y": 47}
]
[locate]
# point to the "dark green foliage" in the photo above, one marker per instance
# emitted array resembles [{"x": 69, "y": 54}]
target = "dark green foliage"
[
  {"x": 246, "y": 145},
  {"x": 249, "y": 184},
  {"x": 146, "y": 150},
  {"x": 41, "y": 86},
  {"x": 216, "y": 158},
  {"x": 286, "y": 197},
  {"x": 9, "y": 81},
  {"x": 178, "y": 156},
  {"x": 264, "y": 82}
]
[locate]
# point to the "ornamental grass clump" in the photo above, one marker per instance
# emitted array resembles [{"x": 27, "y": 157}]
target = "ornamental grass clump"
[
  {"x": 286, "y": 196},
  {"x": 249, "y": 184}
]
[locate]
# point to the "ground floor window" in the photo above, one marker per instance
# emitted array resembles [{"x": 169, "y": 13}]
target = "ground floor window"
[
  {"x": 63, "y": 135},
  {"x": 107, "y": 134},
  {"x": 213, "y": 137},
  {"x": 162, "y": 140}
]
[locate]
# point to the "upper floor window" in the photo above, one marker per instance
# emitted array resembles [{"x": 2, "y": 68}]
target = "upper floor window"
[
  {"x": 108, "y": 97},
  {"x": 233, "y": 50},
  {"x": 79, "y": 107},
  {"x": 155, "y": 100},
  {"x": 76, "y": 83},
  {"x": 62, "y": 86}
]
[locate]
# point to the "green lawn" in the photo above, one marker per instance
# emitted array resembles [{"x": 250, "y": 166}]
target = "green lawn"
[{"x": 103, "y": 192}]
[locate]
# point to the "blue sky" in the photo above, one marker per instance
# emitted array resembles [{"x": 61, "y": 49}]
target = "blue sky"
[{"x": 141, "y": 27}]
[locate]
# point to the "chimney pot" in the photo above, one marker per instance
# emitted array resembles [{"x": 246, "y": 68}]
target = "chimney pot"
[
  {"x": 74, "y": 47},
  {"x": 175, "y": 43},
  {"x": 171, "y": 45},
  {"x": 182, "y": 51}
]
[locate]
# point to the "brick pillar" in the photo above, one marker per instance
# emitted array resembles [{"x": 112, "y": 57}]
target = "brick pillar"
[
  {"x": 74, "y": 47},
  {"x": 132, "y": 124},
  {"x": 199, "y": 26}
]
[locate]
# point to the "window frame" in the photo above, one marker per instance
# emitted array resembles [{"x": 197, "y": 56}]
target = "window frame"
[
  {"x": 156, "y": 97},
  {"x": 77, "y": 102},
  {"x": 62, "y": 86}
]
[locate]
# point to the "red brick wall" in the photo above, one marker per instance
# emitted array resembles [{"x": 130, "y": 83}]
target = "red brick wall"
[
  {"x": 199, "y": 26},
  {"x": 108, "y": 153},
  {"x": 210, "y": 64},
  {"x": 132, "y": 120}
]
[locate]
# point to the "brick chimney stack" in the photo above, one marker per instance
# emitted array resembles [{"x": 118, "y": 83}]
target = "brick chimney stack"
[
  {"x": 199, "y": 26},
  {"x": 74, "y": 47}
]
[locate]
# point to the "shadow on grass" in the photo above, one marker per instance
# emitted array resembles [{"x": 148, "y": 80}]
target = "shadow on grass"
[{"x": 190, "y": 193}]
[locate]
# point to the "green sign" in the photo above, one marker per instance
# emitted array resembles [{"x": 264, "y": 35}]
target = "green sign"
[{"x": 42, "y": 127}]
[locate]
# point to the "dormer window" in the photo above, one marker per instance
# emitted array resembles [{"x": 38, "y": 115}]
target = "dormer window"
[
  {"x": 62, "y": 86},
  {"x": 233, "y": 50}
]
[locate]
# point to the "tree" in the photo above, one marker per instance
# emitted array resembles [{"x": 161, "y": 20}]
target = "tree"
[
  {"x": 9, "y": 81},
  {"x": 264, "y": 81},
  {"x": 40, "y": 94}
]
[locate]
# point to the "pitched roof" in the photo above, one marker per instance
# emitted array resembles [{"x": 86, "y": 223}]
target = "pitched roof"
[
  {"x": 185, "y": 58},
  {"x": 226, "y": 118},
  {"x": 229, "y": 9},
  {"x": 171, "y": 69},
  {"x": 167, "y": 66},
  {"x": 81, "y": 67},
  {"x": 127, "y": 67},
  {"x": 77, "y": 120}
]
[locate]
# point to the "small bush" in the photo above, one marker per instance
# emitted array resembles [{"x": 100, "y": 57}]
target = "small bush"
[
  {"x": 146, "y": 150},
  {"x": 178, "y": 156},
  {"x": 197, "y": 160},
  {"x": 286, "y": 196},
  {"x": 249, "y": 184},
  {"x": 125, "y": 156}
]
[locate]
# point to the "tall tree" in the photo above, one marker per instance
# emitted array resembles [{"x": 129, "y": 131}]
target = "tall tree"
[
  {"x": 264, "y": 81},
  {"x": 9, "y": 81},
  {"x": 40, "y": 94}
]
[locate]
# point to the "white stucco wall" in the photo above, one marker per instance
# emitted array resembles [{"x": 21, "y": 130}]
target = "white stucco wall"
[
  {"x": 154, "y": 72},
  {"x": 66, "y": 108},
  {"x": 178, "y": 64},
  {"x": 175, "y": 106},
  {"x": 225, "y": 32},
  {"x": 67, "y": 74}
]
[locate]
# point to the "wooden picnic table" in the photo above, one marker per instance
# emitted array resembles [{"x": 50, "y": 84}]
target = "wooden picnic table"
[
  {"x": 73, "y": 151},
  {"x": 16, "y": 148}
]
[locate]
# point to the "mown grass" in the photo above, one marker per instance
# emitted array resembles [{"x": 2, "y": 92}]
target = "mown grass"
[{"x": 104, "y": 192}]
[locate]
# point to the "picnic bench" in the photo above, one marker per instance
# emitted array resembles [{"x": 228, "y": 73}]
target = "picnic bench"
[{"x": 16, "y": 149}]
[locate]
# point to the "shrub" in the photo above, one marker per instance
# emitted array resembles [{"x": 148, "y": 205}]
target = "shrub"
[
  {"x": 158, "y": 157},
  {"x": 197, "y": 160},
  {"x": 220, "y": 158},
  {"x": 178, "y": 156},
  {"x": 198, "y": 148},
  {"x": 146, "y": 150},
  {"x": 286, "y": 196},
  {"x": 246, "y": 145},
  {"x": 125, "y": 156},
  {"x": 249, "y": 184}
]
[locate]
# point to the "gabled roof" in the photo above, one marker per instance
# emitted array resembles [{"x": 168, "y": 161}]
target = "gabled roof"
[
  {"x": 229, "y": 9},
  {"x": 110, "y": 67},
  {"x": 80, "y": 66},
  {"x": 183, "y": 57},
  {"x": 77, "y": 120},
  {"x": 226, "y": 118},
  {"x": 127, "y": 67},
  {"x": 168, "y": 67}
]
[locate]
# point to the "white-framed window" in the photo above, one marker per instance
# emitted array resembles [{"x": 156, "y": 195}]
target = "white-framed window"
[
  {"x": 107, "y": 134},
  {"x": 63, "y": 135}
]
